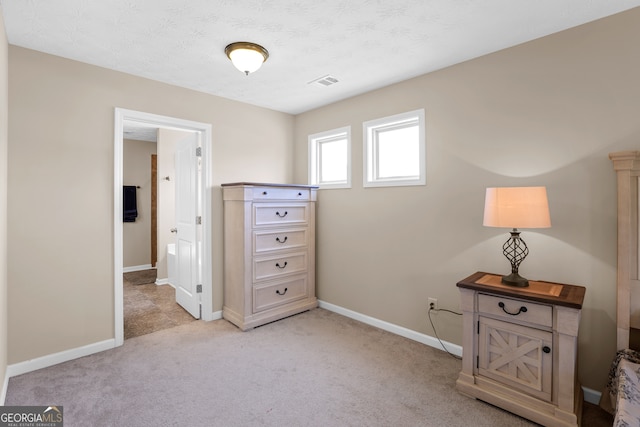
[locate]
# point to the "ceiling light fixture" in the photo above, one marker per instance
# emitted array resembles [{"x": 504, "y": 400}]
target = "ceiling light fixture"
[{"x": 246, "y": 57}]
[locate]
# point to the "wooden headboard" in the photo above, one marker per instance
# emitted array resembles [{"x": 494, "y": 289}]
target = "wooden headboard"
[{"x": 627, "y": 167}]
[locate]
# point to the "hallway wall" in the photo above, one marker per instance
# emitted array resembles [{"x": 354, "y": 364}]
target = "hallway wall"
[{"x": 136, "y": 236}]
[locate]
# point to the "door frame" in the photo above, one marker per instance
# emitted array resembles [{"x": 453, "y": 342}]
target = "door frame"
[{"x": 122, "y": 115}]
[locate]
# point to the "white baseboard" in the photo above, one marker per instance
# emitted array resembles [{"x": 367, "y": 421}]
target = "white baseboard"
[
  {"x": 216, "y": 315},
  {"x": 3, "y": 394},
  {"x": 390, "y": 327},
  {"x": 56, "y": 358},
  {"x": 591, "y": 395},
  {"x": 136, "y": 268},
  {"x": 166, "y": 281}
]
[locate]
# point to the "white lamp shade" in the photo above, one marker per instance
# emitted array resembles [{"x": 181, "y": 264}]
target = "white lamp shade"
[{"x": 516, "y": 207}]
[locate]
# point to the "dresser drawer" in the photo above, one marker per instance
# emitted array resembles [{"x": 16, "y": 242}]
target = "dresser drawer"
[
  {"x": 515, "y": 310},
  {"x": 265, "y": 268},
  {"x": 265, "y": 241},
  {"x": 271, "y": 214},
  {"x": 274, "y": 294},
  {"x": 291, "y": 194}
]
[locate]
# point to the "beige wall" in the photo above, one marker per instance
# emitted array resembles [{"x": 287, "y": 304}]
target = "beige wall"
[
  {"x": 136, "y": 170},
  {"x": 3, "y": 199},
  {"x": 544, "y": 113},
  {"x": 60, "y": 195}
]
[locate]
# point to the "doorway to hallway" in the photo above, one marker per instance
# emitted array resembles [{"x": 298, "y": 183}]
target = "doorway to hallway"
[{"x": 201, "y": 251}]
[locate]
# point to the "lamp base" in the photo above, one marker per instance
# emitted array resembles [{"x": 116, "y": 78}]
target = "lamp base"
[{"x": 514, "y": 279}]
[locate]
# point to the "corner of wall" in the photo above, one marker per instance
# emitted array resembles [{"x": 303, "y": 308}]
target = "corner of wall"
[{"x": 4, "y": 136}]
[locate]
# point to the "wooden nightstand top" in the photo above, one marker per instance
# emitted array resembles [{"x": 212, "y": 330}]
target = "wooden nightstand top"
[{"x": 540, "y": 291}]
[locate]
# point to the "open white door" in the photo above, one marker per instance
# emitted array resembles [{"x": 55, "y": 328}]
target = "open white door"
[{"x": 187, "y": 266}]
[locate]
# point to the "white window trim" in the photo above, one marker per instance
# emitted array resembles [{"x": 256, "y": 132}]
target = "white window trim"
[
  {"x": 368, "y": 156},
  {"x": 313, "y": 157}
]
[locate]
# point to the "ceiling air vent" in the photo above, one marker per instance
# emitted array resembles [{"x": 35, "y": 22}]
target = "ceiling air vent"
[{"x": 327, "y": 80}]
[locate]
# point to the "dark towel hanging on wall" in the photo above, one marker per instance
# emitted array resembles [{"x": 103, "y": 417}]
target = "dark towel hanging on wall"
[{"x": 129, "y": 205}]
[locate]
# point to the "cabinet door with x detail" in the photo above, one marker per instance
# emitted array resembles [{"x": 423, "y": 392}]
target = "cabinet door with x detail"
[{"x": 516, "y": 355}]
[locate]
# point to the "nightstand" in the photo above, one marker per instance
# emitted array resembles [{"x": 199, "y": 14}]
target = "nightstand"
[{"x": 520, "y": 347}]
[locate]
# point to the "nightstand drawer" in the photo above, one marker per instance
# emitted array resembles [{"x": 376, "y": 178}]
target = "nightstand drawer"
[{"x": 516, "y": 310}]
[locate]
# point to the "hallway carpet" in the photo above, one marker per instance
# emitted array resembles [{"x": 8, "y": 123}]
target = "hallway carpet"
[{"x": 149, "y": 307}]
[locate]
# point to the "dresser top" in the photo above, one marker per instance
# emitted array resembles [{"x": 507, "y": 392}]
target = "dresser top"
[
  {"x": 261, "y": 184},
  {"x": 540, "y": 291}
]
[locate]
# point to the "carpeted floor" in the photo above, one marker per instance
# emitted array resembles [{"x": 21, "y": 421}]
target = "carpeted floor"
[
  {"x": 314, "y": 369},
  {"x": 148, "y": 307}
]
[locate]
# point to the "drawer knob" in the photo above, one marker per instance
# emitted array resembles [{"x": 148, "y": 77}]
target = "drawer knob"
[
  {"x": 283, "y": 215},
  {"x": 523, "y": 309},
  {"x": 264, "y": 193},
  {"x": 283, "y": 266},
  {"x": 546, "y": 349},
  {"x": 299, "y": 194},
  {"x": 282, "y": 293},
  {"x": 281, "y": 241}
]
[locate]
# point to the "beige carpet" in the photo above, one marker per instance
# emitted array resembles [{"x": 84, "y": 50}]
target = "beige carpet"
[{"x": 314, "y": 369}]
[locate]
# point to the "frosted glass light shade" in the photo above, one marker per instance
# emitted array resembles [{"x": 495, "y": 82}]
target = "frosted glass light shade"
[
  {"x": 246, "y": 57},
  {"x": 516, "y": 207}
]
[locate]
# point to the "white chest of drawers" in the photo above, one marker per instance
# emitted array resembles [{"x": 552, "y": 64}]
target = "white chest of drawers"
[{"x": 269, "y": 252}]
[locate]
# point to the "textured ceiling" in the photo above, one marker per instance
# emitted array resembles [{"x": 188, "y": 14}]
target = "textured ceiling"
[{"x": 365, "y": 44}]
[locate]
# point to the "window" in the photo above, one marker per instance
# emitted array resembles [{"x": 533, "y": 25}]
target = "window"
[
  {"x": 330, "y": 158},
  {"x": 394, "y": 150}
]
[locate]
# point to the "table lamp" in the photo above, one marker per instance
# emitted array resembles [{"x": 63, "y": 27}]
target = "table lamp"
[{"x": 516, "y": 207}]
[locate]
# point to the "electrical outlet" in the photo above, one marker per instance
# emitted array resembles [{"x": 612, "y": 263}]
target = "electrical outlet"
[{"x": 433, "y": 303}]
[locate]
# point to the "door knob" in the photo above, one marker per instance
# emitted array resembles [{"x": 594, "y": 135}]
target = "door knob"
[{"x": 174, "y": 230}]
